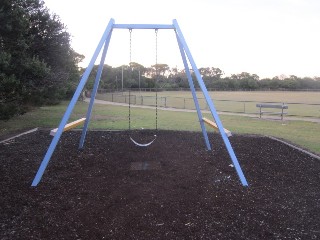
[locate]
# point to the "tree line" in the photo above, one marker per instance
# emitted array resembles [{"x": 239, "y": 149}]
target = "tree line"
[
  {"x": 37, "y": 63},
  {"x": 135, "y": 75}
]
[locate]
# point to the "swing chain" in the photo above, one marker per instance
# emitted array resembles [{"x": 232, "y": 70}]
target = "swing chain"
[
  {"x": 129, "y": 110},
  {"x": 156, "y": 82},
  {"x": 130, "y": 31},
  {"x": 156, "y": 31},
  {"x": 156, "y": 79}
]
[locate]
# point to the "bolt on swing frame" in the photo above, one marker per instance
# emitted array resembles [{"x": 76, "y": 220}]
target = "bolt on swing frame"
[{"x": 185, "y": 54}]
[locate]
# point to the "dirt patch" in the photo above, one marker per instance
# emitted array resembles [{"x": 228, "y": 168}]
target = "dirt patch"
[{"x": 173, "y": 189}]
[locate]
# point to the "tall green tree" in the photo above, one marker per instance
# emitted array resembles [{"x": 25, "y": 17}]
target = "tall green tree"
[{"x": 37, "y": 63}]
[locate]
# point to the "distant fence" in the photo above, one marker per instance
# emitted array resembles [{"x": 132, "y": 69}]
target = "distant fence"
[
  {"x": 209, "y": 89},
  {"x": 295, "y": 109}
]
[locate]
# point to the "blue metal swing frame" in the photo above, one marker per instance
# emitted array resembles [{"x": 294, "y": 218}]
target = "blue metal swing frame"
[{"x": 185, "y": 54}]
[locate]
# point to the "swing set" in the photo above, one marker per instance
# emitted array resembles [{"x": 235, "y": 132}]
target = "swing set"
[{"x": 185, "y": 55}]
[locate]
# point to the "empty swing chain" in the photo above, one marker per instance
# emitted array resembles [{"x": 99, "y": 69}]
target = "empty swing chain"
[
  {"x": 156, "y": 31},
  {"x": 129, "y": 110},
  {"x": 130, "y": 31}
]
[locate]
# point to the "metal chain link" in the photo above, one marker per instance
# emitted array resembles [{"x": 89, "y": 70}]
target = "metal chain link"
[
  {"x": 156, "y": 31},
  {"x": 156, "y": 80},
  {"x": 129, "y": 110},
  {"x": 130, "y": 31}
]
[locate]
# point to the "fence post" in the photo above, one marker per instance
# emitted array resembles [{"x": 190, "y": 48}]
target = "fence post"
[
  {"x": 165, "y": 102},
  {"x": 184, "y": 103},
  {"x": 244, "y": 107},
  {"x": 141, "y": 100},
  {"x": 111, "y": 97}
]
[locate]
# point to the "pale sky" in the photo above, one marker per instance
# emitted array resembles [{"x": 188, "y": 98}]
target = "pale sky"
[{"x": 263, "y": 37}]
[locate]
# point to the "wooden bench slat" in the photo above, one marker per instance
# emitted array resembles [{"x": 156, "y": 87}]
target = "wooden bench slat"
[
  {"x": 68, "y": 126},
  {"x": 272, "y": 106},
  {"x": 214, "y": 125},
  {"x": 275, "y": 113}
]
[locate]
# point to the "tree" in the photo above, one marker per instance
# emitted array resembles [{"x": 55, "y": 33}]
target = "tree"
[
  {"x": 246, "y": 80},
  {"x": 211, "y": 76},
  {"x": 291, "y": 83},
  {"x": 38, "y": 65}
]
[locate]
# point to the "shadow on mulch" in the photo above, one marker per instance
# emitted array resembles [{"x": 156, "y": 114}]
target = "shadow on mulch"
[{"x": 173, "y": 189}]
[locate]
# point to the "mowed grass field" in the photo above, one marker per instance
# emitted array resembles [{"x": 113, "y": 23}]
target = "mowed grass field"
[
  {"x": 264, "y": 96},
  {"x": 302, "y": 133},
  {"x": 300, "y": 104}
]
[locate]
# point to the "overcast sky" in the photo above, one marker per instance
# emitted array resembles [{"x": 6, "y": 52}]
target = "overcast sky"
[{"x": 264, "y": 37}]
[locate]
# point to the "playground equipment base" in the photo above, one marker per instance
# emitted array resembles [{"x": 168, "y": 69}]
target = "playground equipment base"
[{"x": 173, "y": 189}]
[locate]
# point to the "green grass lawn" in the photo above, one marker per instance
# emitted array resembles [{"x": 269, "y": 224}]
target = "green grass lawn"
[{"x": 305, "y": 134}]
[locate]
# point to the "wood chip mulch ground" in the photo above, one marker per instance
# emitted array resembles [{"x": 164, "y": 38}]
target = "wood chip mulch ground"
[{"x": 173, "y": 189}]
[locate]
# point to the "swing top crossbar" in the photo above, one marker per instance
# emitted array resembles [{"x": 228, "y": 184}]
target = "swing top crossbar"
[{"x": 143, "y": 26}]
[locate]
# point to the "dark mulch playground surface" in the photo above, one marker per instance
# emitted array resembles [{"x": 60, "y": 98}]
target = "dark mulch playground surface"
[{"x": 174, "y": 189}]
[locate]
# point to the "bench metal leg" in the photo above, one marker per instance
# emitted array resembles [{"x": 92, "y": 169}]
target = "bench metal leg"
[{"x": 260, "y": 112}]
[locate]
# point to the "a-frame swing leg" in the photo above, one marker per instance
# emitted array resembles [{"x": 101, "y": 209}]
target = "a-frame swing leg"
[
  {"x": 94, "y": 91},
  {"x": 194, "y": 95},
  {"x": 70, "y": 107},
  {"x": 211, "y": 105}
]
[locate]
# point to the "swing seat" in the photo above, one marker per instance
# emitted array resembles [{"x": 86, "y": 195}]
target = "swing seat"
[{"x": 143, "y": 144}]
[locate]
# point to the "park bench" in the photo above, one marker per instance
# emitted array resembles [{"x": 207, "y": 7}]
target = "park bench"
[{"x": 274, "y": 106}]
